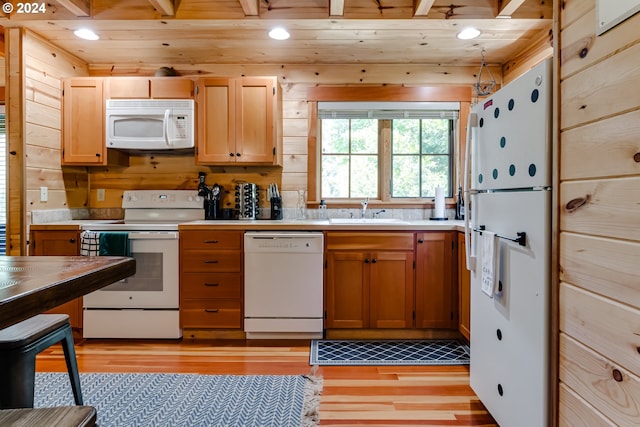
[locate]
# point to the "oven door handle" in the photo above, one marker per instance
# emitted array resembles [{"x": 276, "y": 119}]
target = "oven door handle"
[{"x": 153, "y": 235}]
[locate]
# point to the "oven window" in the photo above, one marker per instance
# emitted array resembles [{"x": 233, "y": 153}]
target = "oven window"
[{"x": 148, "y": 275}]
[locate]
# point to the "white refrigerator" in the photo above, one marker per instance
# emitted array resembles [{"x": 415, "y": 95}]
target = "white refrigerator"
[{"x": 508, "y": 188}]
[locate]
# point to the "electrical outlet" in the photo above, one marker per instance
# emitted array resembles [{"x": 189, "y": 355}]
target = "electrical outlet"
[
  {"x": 100, "y": 194},
  {"x": 44, "y": 194}
]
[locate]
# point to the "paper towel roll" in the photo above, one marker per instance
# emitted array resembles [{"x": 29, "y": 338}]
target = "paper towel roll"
[{"x": 438, "y": 210}]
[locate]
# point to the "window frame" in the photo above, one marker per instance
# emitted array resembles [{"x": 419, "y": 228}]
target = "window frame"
[{"x": 461, "y": 94}]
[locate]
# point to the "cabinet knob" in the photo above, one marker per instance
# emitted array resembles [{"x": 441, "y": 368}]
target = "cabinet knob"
[
  {"x": 72, "y": 240},
  {"x": 373, "y": 261},
  {"x": 97, "y": 154},
  {"x": 420, "y": 240},
  {"x": 366, "y": 260},
  {"x": 231, "y": 154},
  {"x": 238, "y": 154}
]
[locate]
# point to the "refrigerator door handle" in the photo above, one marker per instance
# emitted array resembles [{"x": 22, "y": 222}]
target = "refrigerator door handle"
[{"x": 469, "y": 248}]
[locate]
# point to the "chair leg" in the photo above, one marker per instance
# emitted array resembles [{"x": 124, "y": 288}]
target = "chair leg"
[
  {"x": 17, "y": 377},
  {"x": 72, "y": 366}
]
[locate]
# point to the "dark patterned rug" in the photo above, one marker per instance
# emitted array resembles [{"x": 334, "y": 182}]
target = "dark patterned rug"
[
  {"x": 394, "y": 352},
  {"x": 136, "y": 400}
]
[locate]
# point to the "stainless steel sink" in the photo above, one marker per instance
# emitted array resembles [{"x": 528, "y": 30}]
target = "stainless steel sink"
[{"x": 366, "y": 221}]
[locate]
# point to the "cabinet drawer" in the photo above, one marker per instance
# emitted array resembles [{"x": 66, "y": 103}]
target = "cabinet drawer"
[
  {"x": 210, "y": 285},
  {"x": 212, "y": 261},
  {"x": 368, "y": 240},
  {"x": 211, "y": 313},
  {"x": 211, "y": 240}
]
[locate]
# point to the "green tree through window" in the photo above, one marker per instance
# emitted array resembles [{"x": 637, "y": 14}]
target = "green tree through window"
[{"x": 418, "y": 153}]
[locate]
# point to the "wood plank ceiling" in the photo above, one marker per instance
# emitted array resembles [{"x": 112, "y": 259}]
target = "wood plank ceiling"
[{"x": 322, "y": 31}]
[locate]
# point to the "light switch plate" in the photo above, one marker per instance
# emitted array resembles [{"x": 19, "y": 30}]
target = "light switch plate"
[
  {"x": 100, "y": 194},
  {"x": 44, "y": 194}
]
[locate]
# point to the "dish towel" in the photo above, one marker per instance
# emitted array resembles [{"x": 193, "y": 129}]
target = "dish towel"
[
  {"x": 114, "y": 244},
  {"x": 490, "y": 262},
  {"x": 90, "y": 243}
]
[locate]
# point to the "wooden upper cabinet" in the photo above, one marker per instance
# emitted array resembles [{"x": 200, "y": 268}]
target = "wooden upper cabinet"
[
  {"x": 148, "y": 87},
  {"x": 239, "y": 120},
  {"x": 83, "y": 133}
]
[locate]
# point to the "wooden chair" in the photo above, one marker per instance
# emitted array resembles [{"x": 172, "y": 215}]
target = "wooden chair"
[{"x": 19, "y": 345}]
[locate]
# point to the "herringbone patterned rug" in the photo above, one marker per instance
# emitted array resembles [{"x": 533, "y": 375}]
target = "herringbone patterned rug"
[
  {"x": 137, "y": 400},
  {"x": 393, "y": 352}
]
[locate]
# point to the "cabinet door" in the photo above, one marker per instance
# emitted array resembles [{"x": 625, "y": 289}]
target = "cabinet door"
[
  {"x": 216, "y": 121},
  {"x": 58, "y": 242},
  {"x": 55, "y": 242},
  {"x": 436, "y": 295},
  {"x": 83, "y": 135},
  {"x": 128, "y": 88},
  {"x": 347, "y": 290},
  {"x": 464, "y": 290},
  {"x": 255, "y": 120},
  {"x": 391, "y": 296},
  {"x": 171, "y": 87}
]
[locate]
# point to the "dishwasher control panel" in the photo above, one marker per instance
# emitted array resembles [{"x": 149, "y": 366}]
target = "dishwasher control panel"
[{"x": 283, "y": 242}]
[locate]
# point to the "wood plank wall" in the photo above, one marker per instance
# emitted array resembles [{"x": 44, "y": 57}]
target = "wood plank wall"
[{"x": 599, "y": 248}]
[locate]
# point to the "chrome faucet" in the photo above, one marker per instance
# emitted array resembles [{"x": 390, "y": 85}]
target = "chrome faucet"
[{"x": 364, "y": 204}]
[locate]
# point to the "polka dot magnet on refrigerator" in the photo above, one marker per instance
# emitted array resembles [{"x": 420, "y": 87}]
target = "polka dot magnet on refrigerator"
[
  {"x": 495, "y": 174},
  {"x": 535, "y": 95},
  {"x": 496, "y": 113},
  {"x": 503, "y": 142},
  {"x": 532, "y": 170},
  {"x": 480, "y": 178},
  {"x": 512, "y": 170},
  {"x": 512, "y": 104}
]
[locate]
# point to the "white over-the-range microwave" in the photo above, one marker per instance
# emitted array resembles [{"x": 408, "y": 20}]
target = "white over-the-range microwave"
[{"x": 150, "y": 124}]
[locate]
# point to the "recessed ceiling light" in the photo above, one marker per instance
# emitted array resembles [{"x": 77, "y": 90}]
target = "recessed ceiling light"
[
  {"x": 279, "y": 33},
  {"x": 468, "y": 33},
  {"x": 86, "y": 34}
]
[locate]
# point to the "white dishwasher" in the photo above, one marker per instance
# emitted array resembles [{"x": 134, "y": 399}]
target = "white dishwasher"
[{"x": 283, "y": 295}]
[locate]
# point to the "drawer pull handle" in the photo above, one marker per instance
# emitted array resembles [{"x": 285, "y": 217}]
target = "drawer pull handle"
[
  {"x": 211, "y": 241},
  {"x": 210, "y": 310},
  {"x": 211, "y": 261},
  {"x": 212, "y": 284}
]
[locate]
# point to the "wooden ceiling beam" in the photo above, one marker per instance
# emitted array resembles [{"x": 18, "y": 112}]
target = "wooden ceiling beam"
[
  {"x": 336, "y": 7},
  {"x": 506, "y": 8},
  {"x": 165, "y": 7},
  {"x": 250, "y": 7},
  {"x": 422, "y": 7},
  {"x": 77, "y": 7}
]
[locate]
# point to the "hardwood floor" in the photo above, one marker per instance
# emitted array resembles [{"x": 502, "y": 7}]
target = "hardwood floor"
[{"x": 352, "y": 395}]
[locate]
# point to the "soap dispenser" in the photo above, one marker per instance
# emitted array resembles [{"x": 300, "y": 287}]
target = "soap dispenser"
[{"x": 322, "y": 211}]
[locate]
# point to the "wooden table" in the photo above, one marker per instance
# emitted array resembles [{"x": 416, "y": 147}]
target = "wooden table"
[{"x": 30, "y": 285}]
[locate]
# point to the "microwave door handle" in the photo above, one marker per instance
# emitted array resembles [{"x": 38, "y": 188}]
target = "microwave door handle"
[{"x": 167, "y": 112}]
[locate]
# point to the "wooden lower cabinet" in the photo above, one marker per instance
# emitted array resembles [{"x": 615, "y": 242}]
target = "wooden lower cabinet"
[
  {"x": 436, "y": 290},
  {"x": 211, "y": 279},
  {"x": 464, "y": 290},
  {"x": 59, "y": 242},
  {"x": 369, "y": 280}
]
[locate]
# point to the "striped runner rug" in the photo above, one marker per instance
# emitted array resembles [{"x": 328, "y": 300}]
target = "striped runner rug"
[{"x": 123, "y": 400}]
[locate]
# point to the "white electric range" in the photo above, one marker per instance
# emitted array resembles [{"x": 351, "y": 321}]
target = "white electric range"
[{"x": 145, "y": 305}]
